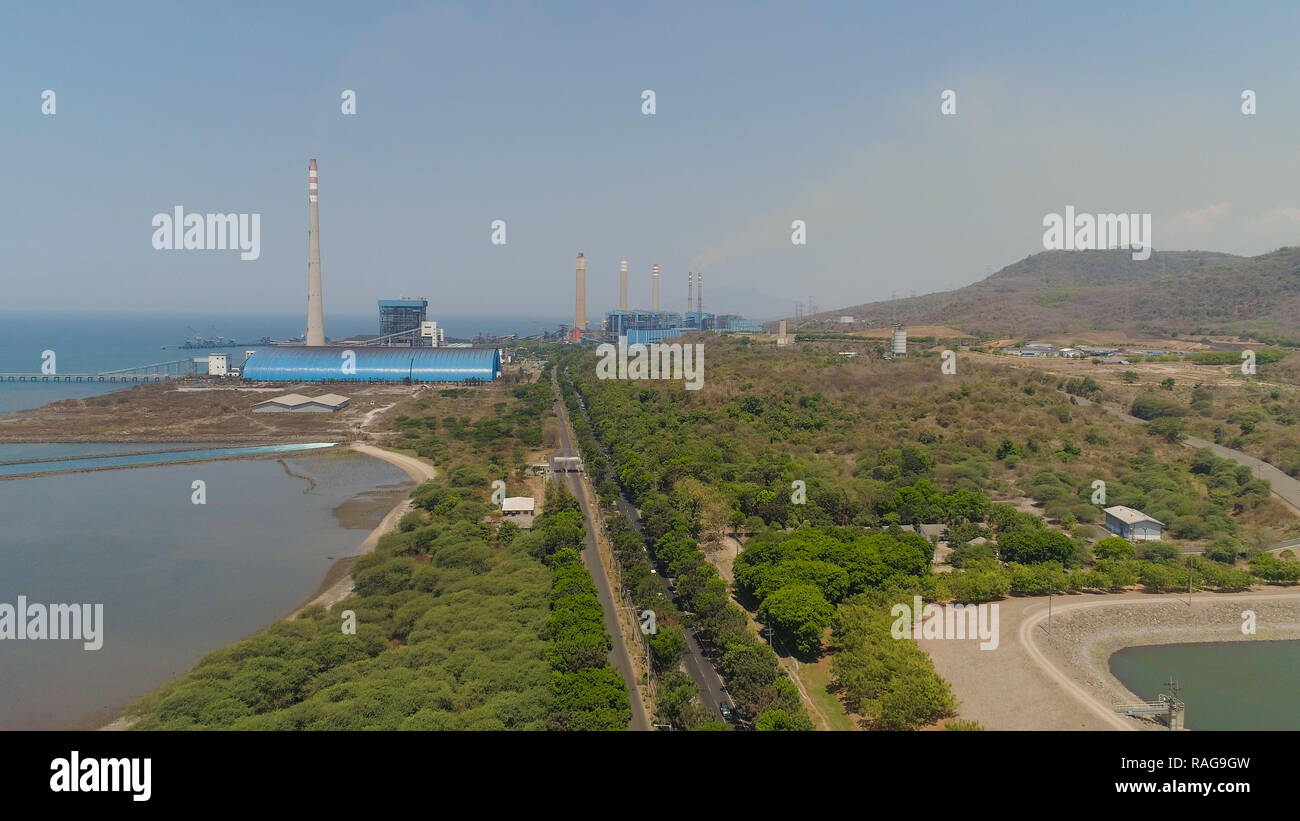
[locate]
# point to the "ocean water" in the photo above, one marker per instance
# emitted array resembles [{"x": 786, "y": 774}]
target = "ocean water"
[
  {"x": 93, "y": 343},
  {"x": 176, "y": 579}
]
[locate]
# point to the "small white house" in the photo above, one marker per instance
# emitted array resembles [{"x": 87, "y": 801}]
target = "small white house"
[
  {"x": 1131, "y": 524},
  {"x": 518, "y": 509}
]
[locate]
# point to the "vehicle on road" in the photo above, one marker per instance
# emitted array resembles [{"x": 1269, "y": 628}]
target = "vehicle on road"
[{"x": 725, "y": 709}]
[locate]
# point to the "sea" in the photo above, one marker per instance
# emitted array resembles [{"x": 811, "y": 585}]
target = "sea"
[{"x": 175, "y": 579}]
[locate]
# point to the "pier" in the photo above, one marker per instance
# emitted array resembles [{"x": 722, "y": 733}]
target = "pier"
[{"x": 152, "y": 372}]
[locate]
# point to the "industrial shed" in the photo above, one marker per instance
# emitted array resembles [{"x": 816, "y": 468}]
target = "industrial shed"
[
  {"x": 1131, "y": 524},
  {"x": 296, "y": 402},
  {"x": 320, "y": 364}
]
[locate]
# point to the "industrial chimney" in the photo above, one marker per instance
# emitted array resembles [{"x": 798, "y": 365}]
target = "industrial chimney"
[
  {"x": 699, "y": 299},
  {"x": 690, "y": 291},
  {"x": 315, "y": 308},
  {"x": 654, "y": 293},
  {"x": 622, "y": 285},
  {"x": 580, "y": 303}
]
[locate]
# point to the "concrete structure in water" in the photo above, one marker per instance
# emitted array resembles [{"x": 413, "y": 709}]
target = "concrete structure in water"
[{"x": 315, "y": 305}]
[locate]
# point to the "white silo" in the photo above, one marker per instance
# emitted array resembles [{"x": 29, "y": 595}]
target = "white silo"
[{"x": 898, "y": 342}]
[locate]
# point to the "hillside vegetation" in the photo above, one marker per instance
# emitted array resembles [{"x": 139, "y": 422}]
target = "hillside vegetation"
[{"x": 1174, "y": 293}]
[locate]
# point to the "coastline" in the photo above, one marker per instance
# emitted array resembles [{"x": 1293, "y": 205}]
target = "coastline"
[
  {"x": 337, "y": 584},
  {"x": 338, "y": 581}
]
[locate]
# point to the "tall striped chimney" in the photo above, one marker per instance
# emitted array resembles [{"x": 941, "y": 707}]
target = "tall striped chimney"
[
  {"x": 580, "y": 304},
  {"x": 690, "y": 290},
  {"x": 654, "y": 293},
  {"x": 699, "y": 298},
  {"x": 315, "y": 307},
  {"x": 622, "y": 285}
]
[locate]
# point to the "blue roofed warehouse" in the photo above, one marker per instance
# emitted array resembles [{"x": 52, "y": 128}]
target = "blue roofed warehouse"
[{"x": 320, "y": 364}]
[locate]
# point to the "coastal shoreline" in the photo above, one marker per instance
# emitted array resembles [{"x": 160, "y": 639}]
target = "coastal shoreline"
[{"x": 338, "y": 584}]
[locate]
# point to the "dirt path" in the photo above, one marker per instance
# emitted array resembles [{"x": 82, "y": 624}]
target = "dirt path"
[{"x": 370, "y": 417}]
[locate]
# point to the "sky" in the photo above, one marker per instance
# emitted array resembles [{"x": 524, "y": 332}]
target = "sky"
[{"x": 532, "y": 113}]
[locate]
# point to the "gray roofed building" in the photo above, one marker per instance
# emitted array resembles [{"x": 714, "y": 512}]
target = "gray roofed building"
[
  {"x": 1131, "y": 524},
  {"x": 296, "y": 402}
]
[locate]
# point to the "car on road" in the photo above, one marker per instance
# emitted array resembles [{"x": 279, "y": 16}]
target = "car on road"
[{"x": 725, "y": 709}]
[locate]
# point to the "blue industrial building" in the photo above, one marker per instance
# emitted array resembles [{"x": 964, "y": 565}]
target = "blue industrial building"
[{"x": 320, "y": 364}]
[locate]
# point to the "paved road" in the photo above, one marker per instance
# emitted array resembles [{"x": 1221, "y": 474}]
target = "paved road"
[
  {"x": 591, "y": 559},
  {"x": 1284, "y": 487},
  {"x": 697, "y": 664}
]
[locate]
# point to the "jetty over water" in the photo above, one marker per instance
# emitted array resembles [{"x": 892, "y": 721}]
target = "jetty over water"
[{"x": 152, "y": 372}]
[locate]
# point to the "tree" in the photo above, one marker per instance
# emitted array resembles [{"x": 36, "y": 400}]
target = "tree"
[
  {"x": 1167, "y": 383},
  {"x": 1169, "y": 428},
  {"x": 1158, "y": 551},
  {"x": 801, "y": 612},
  {"x": 1036, "y": 546},
  {"x": 1149, "y": 406},
  {"x": 667, "y": 645},
  {"x": 777, "y": 720},
  {"x": 1114, "y": 547}
]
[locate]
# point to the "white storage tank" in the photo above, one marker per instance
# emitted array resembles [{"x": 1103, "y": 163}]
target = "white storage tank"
[{"x": 898, "y": 342}]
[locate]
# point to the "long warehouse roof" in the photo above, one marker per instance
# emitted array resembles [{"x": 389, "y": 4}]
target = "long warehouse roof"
[{"x": 317, "y": 364}]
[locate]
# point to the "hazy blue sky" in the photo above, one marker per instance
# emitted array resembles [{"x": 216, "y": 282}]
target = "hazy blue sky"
[{"x": 531, "y": 113}]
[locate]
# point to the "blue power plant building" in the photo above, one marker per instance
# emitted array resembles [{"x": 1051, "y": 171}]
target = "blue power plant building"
[{"x": 321, "y": 364}]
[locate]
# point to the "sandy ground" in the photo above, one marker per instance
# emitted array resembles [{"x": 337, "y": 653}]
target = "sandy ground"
[{"x": 1036, "y": 680}]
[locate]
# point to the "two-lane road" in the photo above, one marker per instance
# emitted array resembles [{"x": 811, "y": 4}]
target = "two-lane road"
[{"x": 591, "y": 559}]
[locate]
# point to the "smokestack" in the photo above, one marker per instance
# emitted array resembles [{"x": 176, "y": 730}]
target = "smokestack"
[
  {"x": 690, "y": 290},
  {"x": 580, "y": 304},
  {"x": 622, "y": 285},
  {"x": 315, "y": 308},
  {"x": 699, "y": 298},
  {"x": 654, "y": 294}
]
